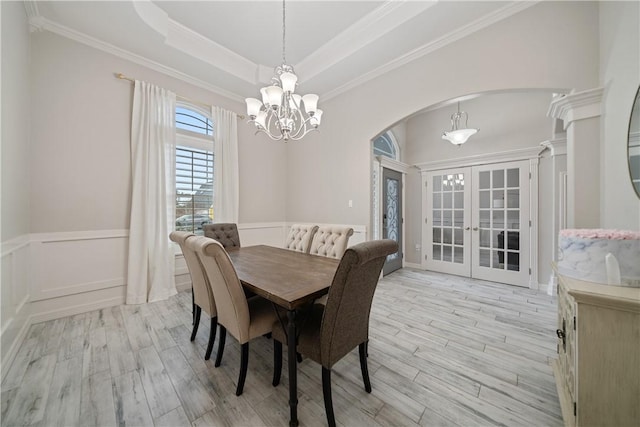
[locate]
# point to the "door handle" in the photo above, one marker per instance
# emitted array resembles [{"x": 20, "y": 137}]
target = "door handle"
[
  {"x": 467, "y": 228},
  {"x": 475, "y": 228}
]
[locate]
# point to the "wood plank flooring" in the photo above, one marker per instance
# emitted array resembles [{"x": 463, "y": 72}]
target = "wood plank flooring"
[{"x": 444, "y": 351}]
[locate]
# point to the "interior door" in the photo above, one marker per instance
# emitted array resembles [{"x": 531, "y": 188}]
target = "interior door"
[
  {"x": 392, "y": 216},
  {"x": 449, "y": 220},
  {"x": 477, "y": 222},
  {"x": 501, "y": 238}
]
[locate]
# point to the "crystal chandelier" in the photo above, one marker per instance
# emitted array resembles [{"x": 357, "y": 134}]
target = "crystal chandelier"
[
  {"x": 279, "y": 114},
  {"x": 458, "y": 136}
]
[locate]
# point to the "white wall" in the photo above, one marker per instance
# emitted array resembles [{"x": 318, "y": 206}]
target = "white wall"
[
  {"x": 16, "y": 122},
  {"x": 550, "y": 45},
  {"x": 620, "y": 76},
  {"x": 507, "y": 121},
  {"x": 81, "y": 134},
  {"x": 68, "y": 149}
]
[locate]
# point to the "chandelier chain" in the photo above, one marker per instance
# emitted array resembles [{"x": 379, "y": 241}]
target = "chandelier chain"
[{"x": 284, "y": 30}]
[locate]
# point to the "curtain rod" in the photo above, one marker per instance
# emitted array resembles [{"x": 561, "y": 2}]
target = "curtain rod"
[{"x": 200, "y": 103}]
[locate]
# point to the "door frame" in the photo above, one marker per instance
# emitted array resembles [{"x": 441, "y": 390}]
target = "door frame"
[
  {"x": 380, "y": 162},
  {"x": 532, "y": 154}
]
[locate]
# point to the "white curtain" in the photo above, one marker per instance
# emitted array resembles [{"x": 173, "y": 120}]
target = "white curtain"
[
  {"x": 153, "y": 149},
  {"x": 225, "y": 187}
]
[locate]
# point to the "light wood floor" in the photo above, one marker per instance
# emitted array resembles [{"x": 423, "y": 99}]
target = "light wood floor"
[{"x": 444, "y": 351}]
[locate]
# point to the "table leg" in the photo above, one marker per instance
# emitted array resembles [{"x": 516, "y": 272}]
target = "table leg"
[{"x": 293, "y": 368}]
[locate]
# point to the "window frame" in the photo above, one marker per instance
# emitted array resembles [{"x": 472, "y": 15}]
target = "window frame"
[
  {"x": 193, "y": 140},
  {"x": 390, "y": 138}
]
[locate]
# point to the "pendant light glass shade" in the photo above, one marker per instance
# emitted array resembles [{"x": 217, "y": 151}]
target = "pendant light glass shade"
[{"x": 457, "y": 135}]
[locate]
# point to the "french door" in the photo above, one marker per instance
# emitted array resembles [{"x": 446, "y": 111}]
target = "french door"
[{"x": 477, "y": 222}]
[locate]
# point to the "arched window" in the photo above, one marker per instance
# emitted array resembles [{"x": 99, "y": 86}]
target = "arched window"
[
  {"x": 385, "y": 145},
  {"x": 194, "y": 168},
  {"x": 192, "y": 120}
]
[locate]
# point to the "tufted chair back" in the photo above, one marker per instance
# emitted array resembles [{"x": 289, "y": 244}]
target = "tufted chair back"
[
  {"x": 300, "y": 237},
  {"x": 225, "y": 233},
  {"x": 331, "y": 241}
]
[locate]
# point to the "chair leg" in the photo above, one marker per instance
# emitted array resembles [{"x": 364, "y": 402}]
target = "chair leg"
[
  {"x": 244, "y": 361},
  {"x": 277, "y": 362},
  {"x": 193, "y": 308},
  {"x": 196, "y": 323},
  {"x": 223, "y": 336},
  {"x": 326, "y": 391},
  {"x": 362, "y": 348},
  {"x": 212, "y": 337}
]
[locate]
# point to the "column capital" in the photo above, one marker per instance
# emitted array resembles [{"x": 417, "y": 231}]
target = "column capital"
[{"x": 577, "y": 106}]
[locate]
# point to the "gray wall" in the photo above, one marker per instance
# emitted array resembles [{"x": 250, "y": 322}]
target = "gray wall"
[
  {"x": 620, "y": 76},
  {"x": 16, "y": 121},
  {"x": 507, "y": 121},
  {"x": 80, "y": 124},
  {"x": 550, "y": 45}
]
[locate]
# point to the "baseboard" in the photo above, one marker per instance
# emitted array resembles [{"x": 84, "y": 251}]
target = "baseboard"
[
  {"x": 10, "y": 355},
  {"x": 412, "y": 265},
  {"x": 76, "y": 309}
]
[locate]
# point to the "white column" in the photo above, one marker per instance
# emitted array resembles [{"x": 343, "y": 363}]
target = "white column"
[{"x": 580, "y": 113}]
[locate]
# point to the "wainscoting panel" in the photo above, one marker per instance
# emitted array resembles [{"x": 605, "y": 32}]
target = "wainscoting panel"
[
  {"x": 78, "y": 262},
  {"x": 52, "y": 275},
  {"x": 14, "y": 296},
  {"x": 271, "y": 233}
]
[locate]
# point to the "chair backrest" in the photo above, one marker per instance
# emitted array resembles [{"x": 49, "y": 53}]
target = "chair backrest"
[
  {"x": 331, "y": 241},
  {"x": 202, "y": 293},
  {"x": 225, "y": 233},
  {"x": 345, "y": 323},
  {"x": 300, "y": 237},
  {"x": 233, "y": 310}
]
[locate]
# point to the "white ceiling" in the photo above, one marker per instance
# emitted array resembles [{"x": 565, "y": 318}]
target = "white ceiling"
[{"x": 231, "y": 47}]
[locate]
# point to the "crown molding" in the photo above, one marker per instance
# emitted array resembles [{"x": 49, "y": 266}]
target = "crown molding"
[
  {"x": 477, "y": 25},
  {"x": 372, "y": 26},
  {"x": 482, "y": 159},
  {"x": 577, "y": 106},
  {"x": 195, "y": 44},
  {"x": 54, "y": 27},
  {"x": 557, "y": 147},
  {"x": 33, "y": 15}
]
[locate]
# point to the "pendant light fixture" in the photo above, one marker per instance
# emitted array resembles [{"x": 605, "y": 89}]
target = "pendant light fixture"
[
  {"x": 280, "y": 114},
  {"x": 457, "y": 135}
]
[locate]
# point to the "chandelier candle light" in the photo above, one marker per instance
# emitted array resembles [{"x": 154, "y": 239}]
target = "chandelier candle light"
[
  {"x": 279, "y": 114},
  {"x": 458, "y": 136}
]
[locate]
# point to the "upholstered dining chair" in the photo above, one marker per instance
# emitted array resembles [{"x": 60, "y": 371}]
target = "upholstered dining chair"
[
  {"x": 225, "y": 233},
  {"x": 328, "y": 332},
  {"x": 331, "y": 241},
  {"x": 202, "y": 293},
  {"x": 245, "y": 319},
  {"x": 300, "y": 237}
]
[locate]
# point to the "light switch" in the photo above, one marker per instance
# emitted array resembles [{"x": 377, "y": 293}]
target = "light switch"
[{"x": 350, "y": 203}]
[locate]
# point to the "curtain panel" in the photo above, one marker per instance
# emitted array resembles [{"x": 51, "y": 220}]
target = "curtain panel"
[
  {"x": 151, "y": 263},
  {"x": 226, "y": 181}
]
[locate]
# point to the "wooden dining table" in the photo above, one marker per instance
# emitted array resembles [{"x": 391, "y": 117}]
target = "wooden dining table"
[{"x": 290, "y": 280}]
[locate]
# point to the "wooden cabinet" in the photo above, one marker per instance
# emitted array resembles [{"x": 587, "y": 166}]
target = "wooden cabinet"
[{"x": 598, "y": 367}]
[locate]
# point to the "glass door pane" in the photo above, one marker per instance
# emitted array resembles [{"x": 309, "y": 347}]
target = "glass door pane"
[
  {"x": 447, "y": 220},
  {"x": 501, "y": 194}
]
